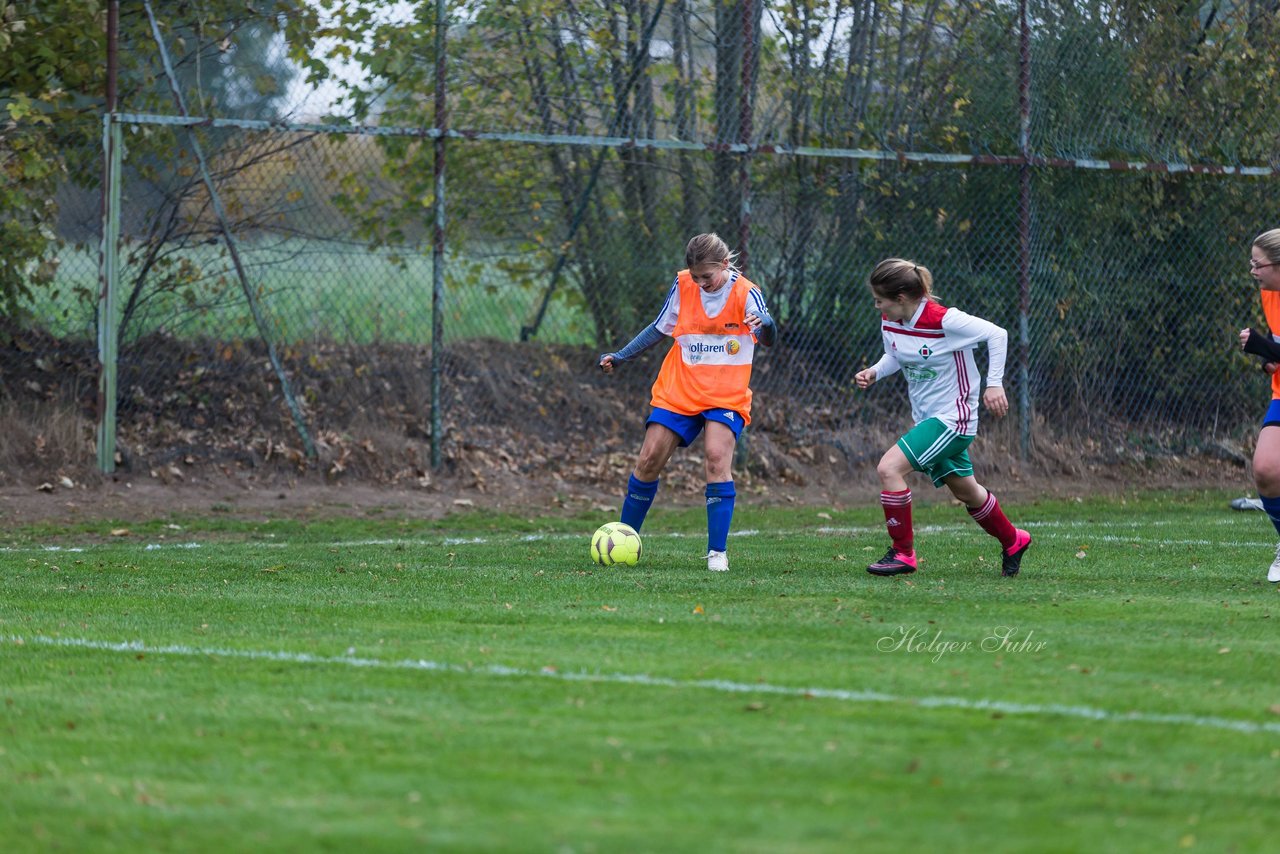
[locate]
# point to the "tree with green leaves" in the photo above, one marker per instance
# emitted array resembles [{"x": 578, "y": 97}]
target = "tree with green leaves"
[
  {"x": 230, "y": 59},
  {"x": 50, "y": 63}
]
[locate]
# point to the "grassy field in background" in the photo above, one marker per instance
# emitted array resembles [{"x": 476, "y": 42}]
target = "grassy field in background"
[
  {"x": 204, "y": 684},
  {"x": 326, "y": 291}
]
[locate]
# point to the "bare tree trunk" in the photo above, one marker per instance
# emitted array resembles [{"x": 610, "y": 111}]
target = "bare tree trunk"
[
  {"x": 728, "y": 100},
  {"x": 860, "y": 63},
  {"x": 567, "y": 179},
  {"x": 685, "y": 117},
  {"x": 793, "y": 274},
  {"x": 638, "y": 165}
]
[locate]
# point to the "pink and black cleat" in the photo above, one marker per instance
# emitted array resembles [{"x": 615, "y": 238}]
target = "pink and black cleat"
[
  {"x": 894, "y": 562},
  {"x": 1012, "y": 561}
]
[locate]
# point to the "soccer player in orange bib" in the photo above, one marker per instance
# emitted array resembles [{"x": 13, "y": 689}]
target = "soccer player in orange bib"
[
  {"x": 933, "y": 347},
  {"x": 1264, "y": 266},
  {"x": 716, "y": 317}
]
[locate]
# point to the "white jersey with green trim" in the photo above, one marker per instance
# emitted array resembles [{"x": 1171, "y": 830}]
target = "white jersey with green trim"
[{"x": 934, "y": 351}]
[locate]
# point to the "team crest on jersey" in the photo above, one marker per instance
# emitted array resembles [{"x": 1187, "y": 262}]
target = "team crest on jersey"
[
  {"x": 925, "y": 352},
  {"x": 733, "y": 347}
]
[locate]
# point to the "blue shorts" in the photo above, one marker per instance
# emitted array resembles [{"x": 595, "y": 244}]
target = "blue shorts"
[
  {"x": 687, "y": 427},
  {"x": 1272, "y": 418}
]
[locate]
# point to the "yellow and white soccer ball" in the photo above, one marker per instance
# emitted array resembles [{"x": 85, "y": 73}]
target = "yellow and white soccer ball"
[{"x": 615, "y": 544}]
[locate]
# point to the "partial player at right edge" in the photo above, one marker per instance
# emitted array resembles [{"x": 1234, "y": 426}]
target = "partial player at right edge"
[{"x": 1264, "y": 266}]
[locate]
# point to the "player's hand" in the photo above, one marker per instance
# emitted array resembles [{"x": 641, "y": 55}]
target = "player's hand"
[
  {"x": 606, "y": 363},
  {"x": 1244, "y": 338},
  {"x": 753, "y": 322},
  {"x": 1271, "y": 367},
  {"x": 864, "y": 379},
  {"x": 996, "y": 401}
]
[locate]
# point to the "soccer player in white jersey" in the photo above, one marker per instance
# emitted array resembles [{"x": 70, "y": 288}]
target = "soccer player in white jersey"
[{"x": 933, "y": 347}]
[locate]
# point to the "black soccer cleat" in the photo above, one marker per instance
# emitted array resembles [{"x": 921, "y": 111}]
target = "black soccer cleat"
[
  {"x": 1012, "y": 561},
  {"x": 894, "y": 562}
]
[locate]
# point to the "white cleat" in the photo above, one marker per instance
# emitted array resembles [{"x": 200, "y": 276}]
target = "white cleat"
[
  {"x": 1273, "y": 574},
  {"x": 1246, "y": 504},
  {"x": 719, "y": 562}
]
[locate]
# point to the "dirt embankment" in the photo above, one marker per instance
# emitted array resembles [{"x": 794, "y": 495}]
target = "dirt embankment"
[{"x": 204, "y": 428}]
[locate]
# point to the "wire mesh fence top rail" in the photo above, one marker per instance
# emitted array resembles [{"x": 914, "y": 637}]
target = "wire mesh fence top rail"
[{"x": 1172, "y": 167}]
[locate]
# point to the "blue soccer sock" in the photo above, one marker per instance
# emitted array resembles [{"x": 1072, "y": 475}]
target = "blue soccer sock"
[
  {"x": 1272, "y": 506},
  {"x": 719, "y": 514},
  {"x": 639, "y": 499}
]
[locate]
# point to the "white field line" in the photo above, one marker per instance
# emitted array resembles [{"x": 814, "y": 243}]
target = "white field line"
[
  {"x": 641, "y": 679},
  {"x": 1082, "y": 532}
]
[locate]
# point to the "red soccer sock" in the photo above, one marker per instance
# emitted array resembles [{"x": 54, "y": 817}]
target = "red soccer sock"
[
  {"x": 897, "y": 518},
  {"x": 993, "y": 521}
]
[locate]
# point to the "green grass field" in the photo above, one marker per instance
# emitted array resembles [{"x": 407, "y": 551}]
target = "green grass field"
[
  {"x": 313, "y": 290},
  {"x": 477, "y": 684}
]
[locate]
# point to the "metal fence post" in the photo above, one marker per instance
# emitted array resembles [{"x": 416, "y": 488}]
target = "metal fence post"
[
  {"x": 1024, "y": 231},
  {"x": 742, "y": 452},
  {"x": 745, "y": 132},
  {"x": 109, "y": 260},
  {"x": 437, "y": 243},
  {"x": 108, "y": 257}
]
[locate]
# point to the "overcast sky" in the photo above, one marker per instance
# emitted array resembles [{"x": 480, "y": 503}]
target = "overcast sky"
[{"x": 308, "y": 102}]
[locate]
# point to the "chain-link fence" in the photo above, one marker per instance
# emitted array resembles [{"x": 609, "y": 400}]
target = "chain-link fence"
[{"x": 1079, "y": 176}]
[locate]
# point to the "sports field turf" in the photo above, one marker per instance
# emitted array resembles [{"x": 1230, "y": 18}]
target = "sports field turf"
[{"x": 476, "y": 683}]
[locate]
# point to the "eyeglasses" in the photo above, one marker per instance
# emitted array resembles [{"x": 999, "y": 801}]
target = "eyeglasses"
[{"x": 1254, "y": 265}]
